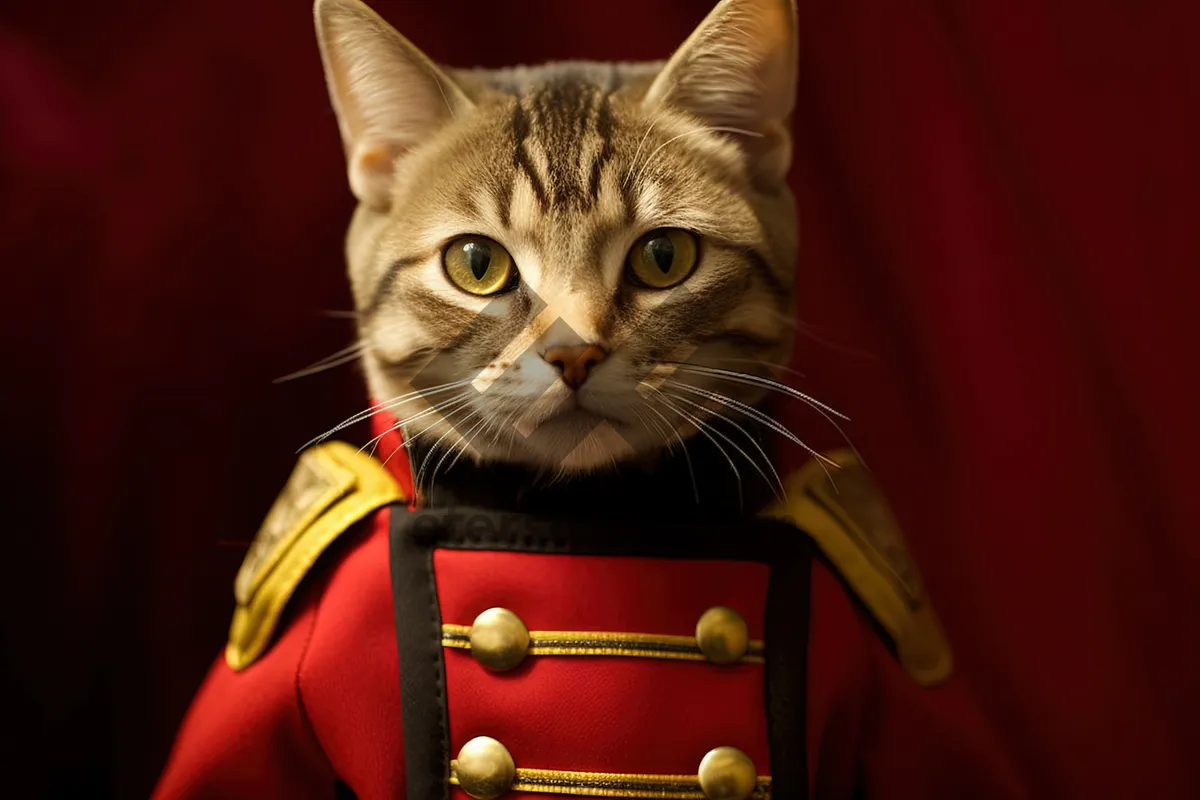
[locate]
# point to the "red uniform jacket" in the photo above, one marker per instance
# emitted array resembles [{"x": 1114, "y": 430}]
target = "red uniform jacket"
[{"x": 364, "y": 685}]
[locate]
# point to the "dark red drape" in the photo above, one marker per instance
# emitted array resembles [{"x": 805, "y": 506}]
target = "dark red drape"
[{"x": 999, "y": 204}]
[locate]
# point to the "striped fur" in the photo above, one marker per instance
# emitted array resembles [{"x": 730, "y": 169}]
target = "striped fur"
[{"x": 566, "y": 165}]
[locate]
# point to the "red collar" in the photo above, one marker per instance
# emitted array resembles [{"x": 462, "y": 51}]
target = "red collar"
[{"x": 391, "y": 451}]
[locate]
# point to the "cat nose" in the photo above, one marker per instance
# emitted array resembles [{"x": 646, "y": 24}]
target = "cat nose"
[{"x": 576, "y": 362}]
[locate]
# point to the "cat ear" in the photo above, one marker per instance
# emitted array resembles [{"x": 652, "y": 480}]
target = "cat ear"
[
  {"x": 388, "y": 95},
  {"x": 737, "y": 71}
]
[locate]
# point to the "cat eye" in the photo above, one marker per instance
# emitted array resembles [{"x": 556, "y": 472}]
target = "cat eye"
[
  {"x": 478, "y": 265},
  {"x": 663, "y": 258}
]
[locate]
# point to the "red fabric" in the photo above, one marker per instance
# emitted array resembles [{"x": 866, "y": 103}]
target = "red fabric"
[
  {"x": 597, "y": 714},
  {"x": 350, "y": 681},
  {"x": 391, "y": 451},
  {"x": 871, "y": 728},
  {"x": 597, "y": 593},
  {"x": 246, "y": 734},
  {"x": 324, "y": 702},
  {"x": 997, "y": 203}
]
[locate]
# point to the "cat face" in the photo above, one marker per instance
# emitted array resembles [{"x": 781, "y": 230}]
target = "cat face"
[{"x": 567, "y": 265}]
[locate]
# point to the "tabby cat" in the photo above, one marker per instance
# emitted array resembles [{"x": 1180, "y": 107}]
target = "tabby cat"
[{"x": 577, "y": 266}]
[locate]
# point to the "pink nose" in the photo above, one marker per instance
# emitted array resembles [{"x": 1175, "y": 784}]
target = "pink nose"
[{"x": 575, "y": 363}]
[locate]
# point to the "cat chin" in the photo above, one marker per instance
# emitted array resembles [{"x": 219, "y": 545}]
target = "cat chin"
[
  {"x": 605, "y": 445},
  {"x": 602, "y": 447}
]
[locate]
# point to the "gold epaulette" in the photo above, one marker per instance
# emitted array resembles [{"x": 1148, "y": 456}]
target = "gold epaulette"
[
  {"x": 333, "y": 486},
  {"x": 848, "y": 517}
]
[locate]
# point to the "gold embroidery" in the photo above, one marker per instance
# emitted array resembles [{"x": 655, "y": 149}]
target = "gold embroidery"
[
  {"x": 613, "y": 784},
  {"x": 605, "y": 643},
  {"x": 860, "y": 507},
  {"x": 332, "y": 487},
  {"x": 314, "y": 485},
  {"x": 848, "y": 517}
]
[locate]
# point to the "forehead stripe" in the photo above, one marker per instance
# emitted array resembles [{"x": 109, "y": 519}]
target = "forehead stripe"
[
  {"x": 521, "y": 160},
  {"x": 604, "y": 127},
  {"x": 388, "y": 281}
]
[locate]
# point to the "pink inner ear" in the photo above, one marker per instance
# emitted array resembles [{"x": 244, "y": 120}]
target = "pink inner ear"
[
  {"x": 371, "y": 168},
  {"x": 375, "y": 159}
]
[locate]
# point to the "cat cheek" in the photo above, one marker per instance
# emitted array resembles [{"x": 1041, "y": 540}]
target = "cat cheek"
[{"x": 395, "y": 345}]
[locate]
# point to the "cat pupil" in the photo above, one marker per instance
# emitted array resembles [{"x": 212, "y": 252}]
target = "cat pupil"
[
  {"x": 479, "y": 257},
  {"x": 662, "y": 252}
]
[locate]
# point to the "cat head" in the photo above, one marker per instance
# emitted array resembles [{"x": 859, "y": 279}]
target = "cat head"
[{"x": 573, "y": 264}]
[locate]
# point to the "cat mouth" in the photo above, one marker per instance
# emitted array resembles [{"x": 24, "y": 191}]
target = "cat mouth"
[
  {"x": 567, "y": 416},
  {"x": 576, "y": 416}
]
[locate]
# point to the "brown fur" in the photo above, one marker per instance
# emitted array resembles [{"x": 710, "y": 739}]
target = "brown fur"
[{"x": 567, "y": 165}]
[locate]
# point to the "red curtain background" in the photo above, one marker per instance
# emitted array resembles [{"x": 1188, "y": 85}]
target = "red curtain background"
[{"x": 999, "y": 208}]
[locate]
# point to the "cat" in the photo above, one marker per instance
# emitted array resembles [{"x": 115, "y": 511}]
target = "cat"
[
  {"x": 573, "y": 283},
  {"x": 577, "y": 265}
]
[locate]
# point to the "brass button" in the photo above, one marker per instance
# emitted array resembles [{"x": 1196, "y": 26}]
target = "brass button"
[
  {"x": 485, "y": 768},
  {"x": 727, "y": 773},
  {"x": 722, "y": 635},
  {"x": 499, "y": 639}
]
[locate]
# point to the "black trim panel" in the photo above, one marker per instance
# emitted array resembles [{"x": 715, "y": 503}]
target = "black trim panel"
[
  {"x": 786, "y": 686},
  {"x": 759, "y": 539},
  {"x": 422, "y": 671}
]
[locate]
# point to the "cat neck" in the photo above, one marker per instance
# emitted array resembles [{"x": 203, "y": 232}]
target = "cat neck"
[{"x": 700, "y": 481}]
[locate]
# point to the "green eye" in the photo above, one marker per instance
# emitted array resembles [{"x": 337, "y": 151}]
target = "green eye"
[
  {"x": 478, "y": 265},
  {"x": 663, "y": 258}
]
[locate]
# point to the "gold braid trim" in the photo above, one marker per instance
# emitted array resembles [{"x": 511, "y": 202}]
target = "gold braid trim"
[
  {"x": 605, "y": 643},
  {"x": 613, "y": 784}
]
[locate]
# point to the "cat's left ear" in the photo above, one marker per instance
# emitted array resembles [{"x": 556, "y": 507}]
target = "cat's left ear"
[
  {"x": 737, "y": 74},
  {"x": 388, "y": 95}
]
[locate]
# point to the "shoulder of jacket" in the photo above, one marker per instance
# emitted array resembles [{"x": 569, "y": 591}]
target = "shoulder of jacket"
[
  {"x": 837, "y": 503},
  {"x": 333, "y": 486}
]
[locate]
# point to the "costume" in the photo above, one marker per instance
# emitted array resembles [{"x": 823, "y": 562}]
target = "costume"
[{"x": 458, "y": 650}]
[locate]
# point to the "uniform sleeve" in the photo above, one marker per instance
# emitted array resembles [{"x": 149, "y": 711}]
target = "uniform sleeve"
[
  {"x": 246, "y": 734},
  {"x": 874, "y": 732},
  {"x": 928, "y": 742},
  {"x": 839, "y": 675}
]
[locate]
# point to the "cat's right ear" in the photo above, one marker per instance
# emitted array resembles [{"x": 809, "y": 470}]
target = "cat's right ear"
[
  {"x": 388, "y": 95},
  {"x": 736, "y": 73}
]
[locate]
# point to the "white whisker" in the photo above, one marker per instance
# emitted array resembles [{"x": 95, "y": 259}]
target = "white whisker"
[
  {"x": 701, "y": 427},
  {"x": 432, "y": 450},
  {"x": 463, "y": 444},
  {"x": 682, "y": 446},
  {"x": 445, "y": 405},
  {"x": 382, "y": 406},
  {"x": 777, "y": 486},
  {"x": 772, "y": 367},
  {"x": 748, "y": 379},
  {"x": 344, "y": 356},
  {"x": 758, "y": 380},
  {"x": 758, "y": 416}
]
